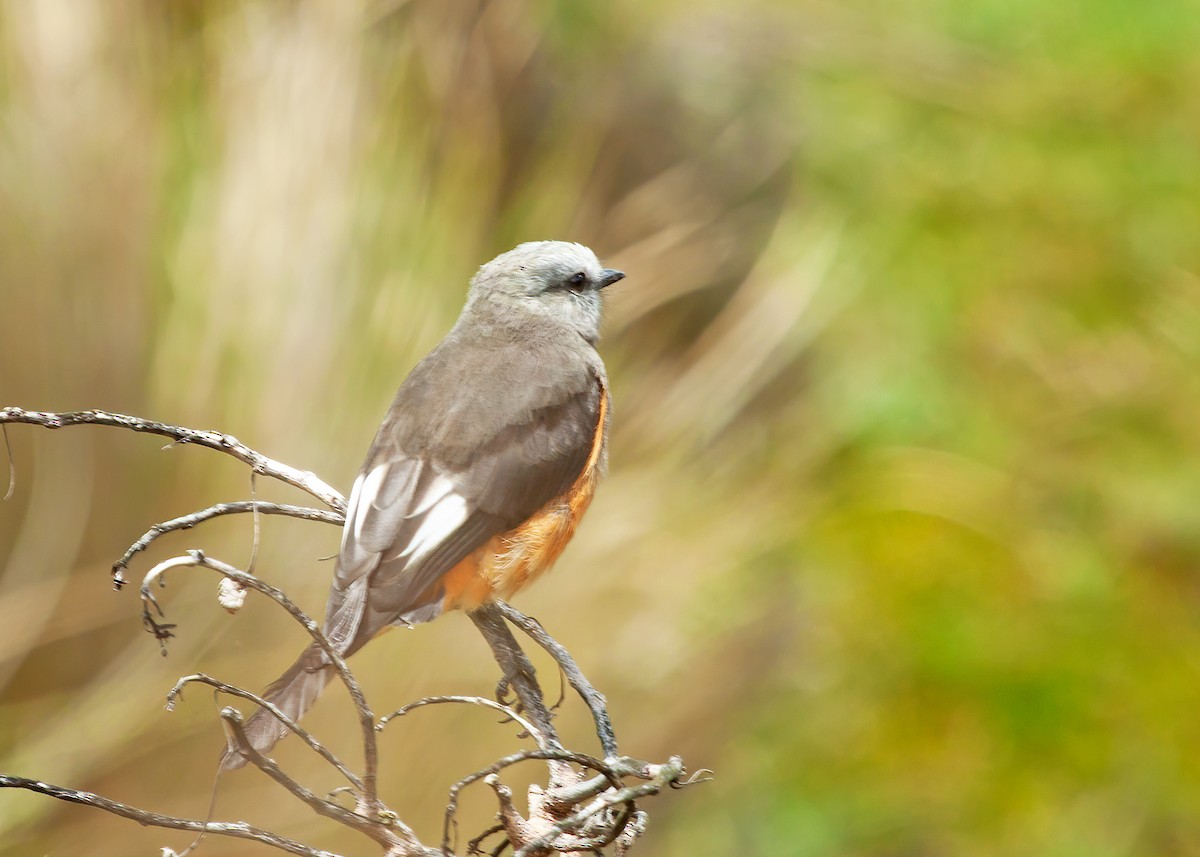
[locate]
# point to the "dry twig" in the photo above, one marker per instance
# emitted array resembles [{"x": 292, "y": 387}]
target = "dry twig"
[
  {"x": 176, "y": 693},
  {"x": 366, "y": 719},
  {"x": 186, "y": 522},
  {"x": 236, "y": 829},
  {"x": 221, "y": 442}
]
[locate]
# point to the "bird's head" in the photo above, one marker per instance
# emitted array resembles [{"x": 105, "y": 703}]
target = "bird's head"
[{"x": 556, "y": 280}]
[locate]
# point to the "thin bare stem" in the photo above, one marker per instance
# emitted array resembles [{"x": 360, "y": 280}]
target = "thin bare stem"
[
  {"x": 366, "y": 718},
  {"x": 186, "y": 522},
  {"x": 473, "y": 844},
  {"x": 257, "y": 517},
  {"x": 235, "y": 829},
  {"x": 228, "y": 444},
  {"x": 508, "y": 712},
  {"x": 370, "y": 827},
  {"x": 12, "y": 465},
  {"x": 176, "y": 693}
]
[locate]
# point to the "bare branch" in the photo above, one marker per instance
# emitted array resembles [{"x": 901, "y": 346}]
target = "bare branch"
[
  {"x": 607, "y": 775},
  {"x": 663, "y": 776},
  {"x": 235, "y": 829},
  {"x": 508, "y": 712},
  {"x": 515, "y": 825},
  {"x": 375, "y": 828},
  {"x": 567, "y": 796},
  {"x": 366, "y": 718},
  {"x": 12, "y": 465},
  {"x": 176, "y": 693},
  {"x": 634, "y": 828},
  {"x": 186, "y": 522},
  {"x": 609, "y": 825},
  {"x": 226, "y": 443}
]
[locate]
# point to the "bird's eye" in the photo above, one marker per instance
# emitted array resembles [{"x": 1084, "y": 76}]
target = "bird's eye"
[{"x": 576, "y": 281}]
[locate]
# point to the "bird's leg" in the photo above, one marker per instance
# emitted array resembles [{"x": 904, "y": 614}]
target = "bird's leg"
[
  {"x": 593, "y": 698},
  {"x": 521, "y": 678},
  {"x": 518, "y": 673},
  {"x": 501, "y": 693},
  {"x": 506, "y": 684},
  {"x": 503, "y": 686}
]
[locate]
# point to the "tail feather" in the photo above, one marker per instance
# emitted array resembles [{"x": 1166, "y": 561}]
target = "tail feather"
[{"x": 293, "y": 693}]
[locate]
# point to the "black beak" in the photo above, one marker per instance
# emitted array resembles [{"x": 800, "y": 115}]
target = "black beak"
[{"x": 608, "y": 276}]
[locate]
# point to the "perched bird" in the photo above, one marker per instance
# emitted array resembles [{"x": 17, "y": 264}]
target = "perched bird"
[{"x": 484, "y": 464}]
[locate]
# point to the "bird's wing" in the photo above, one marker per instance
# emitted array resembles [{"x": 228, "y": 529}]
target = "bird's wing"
[{"x": 413, "y": 516}]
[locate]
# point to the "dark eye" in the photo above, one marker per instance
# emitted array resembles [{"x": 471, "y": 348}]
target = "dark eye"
[{"x": 576, "y": 281}]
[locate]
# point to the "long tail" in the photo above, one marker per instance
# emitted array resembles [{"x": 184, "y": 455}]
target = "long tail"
[{"x": 293, "y": 693}]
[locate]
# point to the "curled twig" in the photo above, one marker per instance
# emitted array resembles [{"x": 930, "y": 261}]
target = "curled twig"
[
  {"x": 12, "y": 465},
  {"x": 703, "y": 775}
]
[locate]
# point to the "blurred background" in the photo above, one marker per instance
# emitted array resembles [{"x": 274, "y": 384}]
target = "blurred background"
[{"x": 901, "y": 535}]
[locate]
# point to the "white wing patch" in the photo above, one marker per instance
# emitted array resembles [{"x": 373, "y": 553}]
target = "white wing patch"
[
  {"x": 399, "y": 516},
  {"x": 440, "y": 488},
  {"x": 443, "y": 518},
  {"x": 366, "y": 489},
  {"x": 355, "y": 509}
]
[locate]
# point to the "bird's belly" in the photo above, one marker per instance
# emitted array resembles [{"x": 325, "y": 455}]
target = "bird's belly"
[{"x": 510, "y": 561}]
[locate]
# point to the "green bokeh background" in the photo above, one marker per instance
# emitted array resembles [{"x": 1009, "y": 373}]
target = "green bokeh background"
[{"x": 901, "y": 534}]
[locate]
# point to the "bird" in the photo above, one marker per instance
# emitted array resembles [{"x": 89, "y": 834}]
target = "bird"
[{"x": 480, "y": 472}]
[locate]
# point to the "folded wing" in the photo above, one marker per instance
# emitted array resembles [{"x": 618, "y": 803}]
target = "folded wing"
[{"x": 414, "y": 515}]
